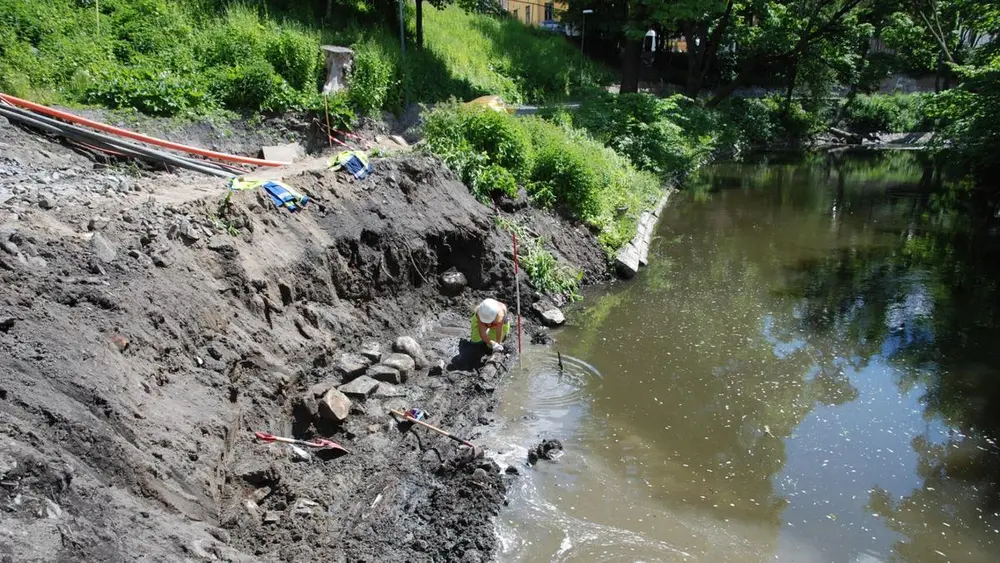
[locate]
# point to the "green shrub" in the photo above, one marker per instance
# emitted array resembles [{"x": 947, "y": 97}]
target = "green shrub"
[
  {"x": 568, "y": 170},
  {"x": 493, "y": 178},
  {"x": 543, "y": 269},
  {"x": 645, "y": 129},
  {"x": 900, "y": 113},
  {"x": 159, "y": 94},
  {"x": 296, "y": 58},
  {"x": 500, "y": 136},
  {"x": 371, "y": 79}
]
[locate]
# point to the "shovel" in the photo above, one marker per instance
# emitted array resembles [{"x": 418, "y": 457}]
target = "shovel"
[
  {"x": 317, "y": 443},
  {"x": 476, "y": 450}
]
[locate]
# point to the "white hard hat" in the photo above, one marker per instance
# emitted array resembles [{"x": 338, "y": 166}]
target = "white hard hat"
[{"x": 488, "y": 310}]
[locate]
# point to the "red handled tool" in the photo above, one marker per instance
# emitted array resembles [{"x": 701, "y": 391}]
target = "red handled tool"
[{"x": 317, "y": 443}]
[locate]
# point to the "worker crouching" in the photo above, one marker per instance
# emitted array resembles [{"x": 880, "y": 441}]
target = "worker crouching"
[{"x": 490, "y": 324}]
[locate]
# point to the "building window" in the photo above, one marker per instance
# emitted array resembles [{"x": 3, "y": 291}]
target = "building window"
[
  {"x": 517, "y": 16},
  {"x": 549, "y": 12},
  {"x": 527, "y": 14}
]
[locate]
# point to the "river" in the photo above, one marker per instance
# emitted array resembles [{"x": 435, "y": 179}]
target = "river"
[{"x": 808, "y": 370}]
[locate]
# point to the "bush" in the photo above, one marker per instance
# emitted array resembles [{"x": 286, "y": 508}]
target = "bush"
[
  {"x": 502, "y": 138},
  {"x": 900, "y": 113},
  {"x": 159, "y": 94},
  {"x": 543, "y": 269},
  {"x": 296, "y": 57},
  {"x": 559, "y": 166},
  {"x": 493, "y": 178},
  {"x": 645, "y": 129},
  {"x": 372, "y": 78}
]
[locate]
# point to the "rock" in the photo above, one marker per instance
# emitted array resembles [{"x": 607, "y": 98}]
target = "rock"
[
  {"x": 408, "y": 345},
  {"x": 436, "y": 369},
  {"x": 453, "y": 282},
  {"x": 272, "y": 517},
  {"x": 334, "y": 406},
  {"x": 188, "y": 231},
  {"x": 298, "y": 454},
  {"x": 547, "y": 449},
  {"x": 304, "y": 506},
  {"x": 627, "y": 260},
  {"x": 320, "y": 389},
  {"x": 400, "y": 362},
  {"x": 11, "y": 248},
  {"x": 362, "y": 387},
  {"x": 480, "y": 475},
  {"x": 283, "y": 153},
  {"x": 550, "y": 314},
  {"x": 163, "y": 259},
  {"x": 46, "y": 202},
  {"x": 38, "y": 262},
  {"x": 385, "y": 373},
  {"x": 388, "y": 390},
  {"x": 98, "y": 223},
  {"x": 372, "y": 351},
  {"x": 350, "y": 366},
  {"x": 103, "y": 249}
]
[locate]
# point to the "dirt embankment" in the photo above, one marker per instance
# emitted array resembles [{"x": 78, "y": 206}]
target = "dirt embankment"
[{"x": 146, "y": 331}]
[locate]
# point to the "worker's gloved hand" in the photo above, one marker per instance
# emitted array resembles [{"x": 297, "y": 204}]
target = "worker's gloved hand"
[{"x": 497, "y": 347}]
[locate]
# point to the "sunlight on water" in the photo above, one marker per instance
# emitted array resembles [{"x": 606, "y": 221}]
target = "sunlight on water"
[{"x": 782, "y": 383}]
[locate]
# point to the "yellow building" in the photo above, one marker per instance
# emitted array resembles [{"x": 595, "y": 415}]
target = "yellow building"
[{"x": 535, "y": 13}]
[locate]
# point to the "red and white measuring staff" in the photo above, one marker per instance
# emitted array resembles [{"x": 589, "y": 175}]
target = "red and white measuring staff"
[{"x": 517, "y": 288}]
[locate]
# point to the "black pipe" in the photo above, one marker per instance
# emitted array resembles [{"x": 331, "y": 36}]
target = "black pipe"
[{"x": 72, "y": 131}]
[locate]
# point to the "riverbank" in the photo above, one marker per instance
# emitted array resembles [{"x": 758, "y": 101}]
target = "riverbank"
[{"x": 152, "y": 325}]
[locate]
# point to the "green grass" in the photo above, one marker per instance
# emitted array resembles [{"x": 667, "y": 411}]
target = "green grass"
[{"x": 196, "y": 57}]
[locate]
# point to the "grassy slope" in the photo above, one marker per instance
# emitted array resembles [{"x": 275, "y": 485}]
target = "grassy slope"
[{"x": 198, "y": 56}]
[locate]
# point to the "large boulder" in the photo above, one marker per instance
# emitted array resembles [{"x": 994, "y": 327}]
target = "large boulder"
[
  {"x": 362, "y": 387},
  {"x": 372, "y": 351},
  {"x": 402, "y": 363},
  {"x": 334, "y": 406},
  {"x": 385, "y": 374},
  {"x": 549, "y": 313},
  {"x": 453, "y": 282},
  {"x": 350, "y": 366},
  {"x": 409, "y": 346}
]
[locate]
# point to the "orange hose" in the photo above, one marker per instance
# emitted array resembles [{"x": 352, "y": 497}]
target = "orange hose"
[{"x": 132, "y": 135}]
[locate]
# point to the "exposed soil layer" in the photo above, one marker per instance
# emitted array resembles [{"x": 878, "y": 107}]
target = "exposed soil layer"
[{"x": 149, "y": 327}]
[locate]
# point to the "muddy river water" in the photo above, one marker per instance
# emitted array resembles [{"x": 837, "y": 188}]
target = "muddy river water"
[{"x": 808, "y": 370}]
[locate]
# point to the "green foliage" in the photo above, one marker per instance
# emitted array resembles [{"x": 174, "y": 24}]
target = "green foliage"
[
  {"x": 372, "y": 78},
  {"x": 559, "y": 166},
  {"x": 546, "y": 273},
  {"x": 645, "y": 128},
  {"x": 160, "y": 94},
  {"x": 502, "y": 138},
  {"x": 969, "y": 117},
  {"x": 198, "y": 56},
  {"x": 899, "y": 113}
]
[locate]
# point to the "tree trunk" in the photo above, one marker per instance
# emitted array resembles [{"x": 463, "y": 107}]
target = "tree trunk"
[
  {"x": 630, "y": 66},
  {"x": 420, "y": 24},
  {"x": 793, "y": 74}
]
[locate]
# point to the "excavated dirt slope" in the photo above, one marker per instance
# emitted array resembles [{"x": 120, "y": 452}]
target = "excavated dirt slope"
[{"x": 147, "y": 330}]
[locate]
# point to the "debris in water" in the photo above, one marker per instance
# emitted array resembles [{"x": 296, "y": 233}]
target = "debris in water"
[{"x": 547, "y": 449}]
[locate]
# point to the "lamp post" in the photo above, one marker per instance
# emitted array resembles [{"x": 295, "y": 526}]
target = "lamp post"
[{"x": 583, "y": 41}]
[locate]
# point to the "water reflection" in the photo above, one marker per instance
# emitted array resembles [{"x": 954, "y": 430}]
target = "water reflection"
[{"x": 807, "y": 371}]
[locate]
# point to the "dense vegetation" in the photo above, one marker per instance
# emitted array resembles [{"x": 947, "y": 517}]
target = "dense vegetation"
[
  {"x": 169, "y": 58},
  {"x": 811, "y": 53},
  {"x": 560, "y": 166}
]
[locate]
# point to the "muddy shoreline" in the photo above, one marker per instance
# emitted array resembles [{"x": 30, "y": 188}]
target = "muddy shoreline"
[{"x": 149, "y": 328}]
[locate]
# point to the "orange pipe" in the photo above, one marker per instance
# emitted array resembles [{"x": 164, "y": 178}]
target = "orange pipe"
[{"x": 132, "y": 135}]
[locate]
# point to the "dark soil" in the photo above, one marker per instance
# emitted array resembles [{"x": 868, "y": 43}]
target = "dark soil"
[{"x": 148, "y": 330}]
